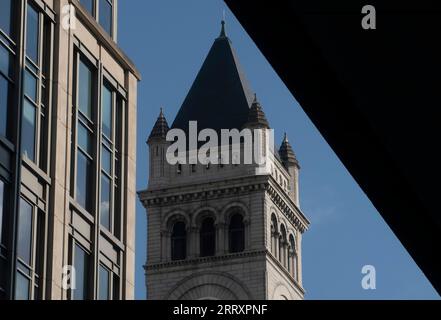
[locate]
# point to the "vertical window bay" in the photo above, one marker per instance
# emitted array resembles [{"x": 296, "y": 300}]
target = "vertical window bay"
[
  {"x": 85, "y": 89},
  {"x": 32, "y": 34},
  {"x": 25, "y": 232},
  {"x": 28, "y": 129},
  {"x": 106, "y": 15}
]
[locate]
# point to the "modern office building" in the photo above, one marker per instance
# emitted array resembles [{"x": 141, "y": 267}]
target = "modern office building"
[
  {"x": 222, "y": 231},
  {"x": 67, "y": 153}
]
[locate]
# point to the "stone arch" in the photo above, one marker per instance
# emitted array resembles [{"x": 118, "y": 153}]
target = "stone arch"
[
  {"x": 274, "y": 221},
  {"x": 209, "y": 285},
  {"x": 283, "y": 245},
  {"x": 281, "y": 292},
  {"x": 173, "y": 216},
  {"x": 228, "y": 210},
  {"x": 202, "y": 213}
]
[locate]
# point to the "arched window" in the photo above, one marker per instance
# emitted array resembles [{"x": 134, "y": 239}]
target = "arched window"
[
  {"x": 236, "y": 231},
  {"x": 274, "y": 233},
  {"x": 207, "y": 238},
  {"x": 283, "y": 246},
  {"x": 179, "y": 241},
  {"x": 293, "y": 257}
]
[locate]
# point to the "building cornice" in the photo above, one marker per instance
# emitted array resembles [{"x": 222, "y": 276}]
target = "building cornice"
[
  {"x": 199, "y": 260},
  {"x": 287, "y": 206},
  {"x": 227, "y": 188},
  {"x": 204, "y": 191}
]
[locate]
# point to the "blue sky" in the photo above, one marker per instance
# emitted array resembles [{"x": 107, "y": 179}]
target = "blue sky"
[{"x": 168, "y": 41}]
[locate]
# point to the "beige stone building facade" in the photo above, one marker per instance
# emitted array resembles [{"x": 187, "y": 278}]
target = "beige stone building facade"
[
  {"x": 222, "y": 231},
  {"x": 67, "y": 164}
]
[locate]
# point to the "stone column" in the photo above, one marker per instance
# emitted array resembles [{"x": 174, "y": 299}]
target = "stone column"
[
  {"x": 247, "y": 231},
  {"x": 220, "y": 239},
  {"x": 165, "y": 245}
]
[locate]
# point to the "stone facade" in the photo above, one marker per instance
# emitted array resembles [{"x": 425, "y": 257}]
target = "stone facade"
[
  {"x": 260, "y": 271},
  {"x": 47, "y": 183},
  {"x": 247, "y": 215}
]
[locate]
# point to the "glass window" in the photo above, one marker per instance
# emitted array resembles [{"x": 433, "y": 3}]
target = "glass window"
[
  {"x": 81, "y": 264},
  {"x": 237, "y": 234},
  {"x": 21, "y": 287},
  {"x": 5, "y": 95},
  {"x": 5, "y": 61},
  {"x": 207, "y": 238},
  {"x": 105, "y": 20},
  {"x": 84, "y": 190},
  {"x": 105, "y": 201},
  {"x": 85, "y": 139},
  {"x": 5, "y": 16},
  {"x": 89, "y": 5},
  {"x": 179, "y": 241},
  {"x": 85, "y": 88},
  {"x": 30, "y": 85},
  {"x": 28, "y": 130},
  {"x": 107, "y": 112},
  {"x": 106, "y": 159},
  {"x": 32, "y": 34},
  {"x": 25, "y": 232},
  {"x": 104, "y": 284}
]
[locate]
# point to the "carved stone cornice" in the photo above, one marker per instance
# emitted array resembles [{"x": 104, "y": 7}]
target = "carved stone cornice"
[
  {"x": 288, "y": 208},
  {"x": 207, "y": 191},
  {"x": 192, "y": 261}
]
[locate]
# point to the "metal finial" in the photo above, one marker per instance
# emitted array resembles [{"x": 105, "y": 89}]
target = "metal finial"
[{"x": 223, "y": 33}]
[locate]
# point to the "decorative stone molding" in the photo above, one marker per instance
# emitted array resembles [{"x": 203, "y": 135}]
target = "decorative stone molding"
[
  {"x": 202, "y": 285},
  {"x": 289, "y": 210},
  {"x": 152, "y": 198},
  {"x": 226, "y": 257}
]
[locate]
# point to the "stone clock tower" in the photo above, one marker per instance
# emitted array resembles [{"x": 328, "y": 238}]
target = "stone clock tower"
[{"x": 222, "y": 231}]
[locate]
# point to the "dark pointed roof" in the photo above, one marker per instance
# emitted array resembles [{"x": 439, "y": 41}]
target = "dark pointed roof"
[
  {"x": 220, "y": 97},
  {"x": 256, "y": 116},
  {"x": 286, "y": 152},
  {"x": 160, "y": 128}
]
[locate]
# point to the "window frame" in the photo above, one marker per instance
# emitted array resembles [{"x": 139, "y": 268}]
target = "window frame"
[
  {"x": 40, "y": 70},
  {"x": 90, "y": 125},
  {"x": 175, "y": 255},
  {"x": 88, "y": 279},
  {"x": 96, "y": 15},
  {"x": 34, "y": 270}
]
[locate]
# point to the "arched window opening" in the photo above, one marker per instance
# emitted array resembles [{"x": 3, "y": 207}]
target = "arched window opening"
[
  {"x": 274, "y": 235},
  {"x": 236, "y": 232},
  {"x": 207, "y": 238},
  {"x": 283, "y": 244},
  {"x": 293, "y": 258},
  {"x": 179, "y": 241}
]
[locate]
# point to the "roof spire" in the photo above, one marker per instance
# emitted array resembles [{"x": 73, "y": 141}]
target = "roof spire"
[
  {"x": 256, "y": 116},
  {"x": 160, "y": 128},
  {"x": 223, "y": 33},
  {"x": 286, "y": 153}
]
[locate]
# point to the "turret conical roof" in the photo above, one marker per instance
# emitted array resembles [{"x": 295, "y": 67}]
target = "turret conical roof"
[{"x": 160, "y": 128}]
